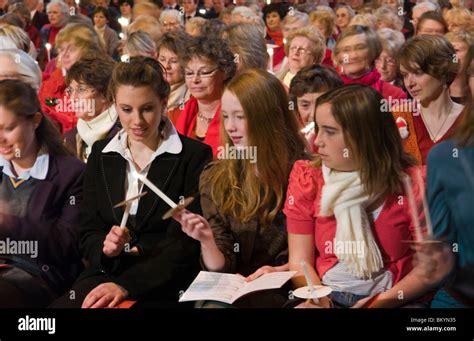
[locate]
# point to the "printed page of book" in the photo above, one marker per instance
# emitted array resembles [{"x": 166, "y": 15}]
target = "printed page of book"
[
  {"x": 272, "y": 280},
  {"x": 214, "y": 286}
]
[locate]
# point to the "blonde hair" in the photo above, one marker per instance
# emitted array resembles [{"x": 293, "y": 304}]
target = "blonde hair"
[
  {"x": 459, "y": 16},
  {"x": 327, "y": 20},
  {"x": 83, "y": 37},
  {"x": 364, "y": 20},
  {"x": 146, "y": 24},
  {"x": 195, "y": 24},
  {"x": 318, "y": 47},
  {"x": 147, "y": 9},
  {"x": 466, "y": 38},
  {"x": 19, "y": 37},
  {"x": 139, "y": 43},
  {"x": 385, "y": 15}
]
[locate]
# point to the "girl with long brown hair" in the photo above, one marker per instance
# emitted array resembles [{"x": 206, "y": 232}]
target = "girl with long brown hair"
[
  {"x": 242, "y": 193},
  {"x": 347, "y": 214}
]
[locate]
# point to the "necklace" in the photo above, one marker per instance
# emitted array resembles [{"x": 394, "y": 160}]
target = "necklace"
[
  {"x": 434, "y": 137},
  {"x": 204, "y": 118}
]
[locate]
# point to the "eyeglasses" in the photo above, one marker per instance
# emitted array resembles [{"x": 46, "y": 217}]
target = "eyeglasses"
[
  {"x": 81, "y": 90},
  {"x": 201, "y": 74},
  {"x": 300, "y": 50},
  {"x": 389, "y": 61}
]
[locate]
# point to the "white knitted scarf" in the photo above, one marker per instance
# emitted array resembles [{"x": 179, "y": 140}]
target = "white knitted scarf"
[{"x": 343, "y": 195}]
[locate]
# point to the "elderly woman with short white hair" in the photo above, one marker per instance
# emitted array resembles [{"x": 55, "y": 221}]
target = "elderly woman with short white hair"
[
  {"x": 304, "y": 46},
  {"x": 171, "y": 20},
  {"x": 386, "y": 63}
]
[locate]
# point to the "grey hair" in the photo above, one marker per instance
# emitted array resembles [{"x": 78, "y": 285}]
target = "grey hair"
[
  {"x": 27, "y": 71},
  {"x": 391, "y": 40},
  {"x": 137, "y": 43},
  {"x": 172, "y": 13},
  {"x": 62, "y": 6},
  {"x": 428, "y": 5}
]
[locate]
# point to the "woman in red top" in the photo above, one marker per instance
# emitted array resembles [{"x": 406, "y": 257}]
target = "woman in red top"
[
  {"x": 355, "y": 53},
  {"x": 428, "y": 66},
  {"x": 346, "y": 212},
  {"x": 74, "y": 42},
  {"x": 208, "y": 65}
]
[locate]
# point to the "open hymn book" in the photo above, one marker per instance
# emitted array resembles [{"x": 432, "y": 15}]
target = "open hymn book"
[{"x": 228, "y": 288}]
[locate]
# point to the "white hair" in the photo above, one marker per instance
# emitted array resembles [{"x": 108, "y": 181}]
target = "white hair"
[
  {"x": 243, "y": 11},
  {"x": 61, "y": 4},
  {"x": 427, "y": 5},
  {"x": 391, "y": 40},
  {"x": 27, "y": 70},
  {"x": 173, "y": 14}
]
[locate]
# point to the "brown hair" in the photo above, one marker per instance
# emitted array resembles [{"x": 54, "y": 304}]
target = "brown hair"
[
  {"x": 26, "y": 106},
  {"x": 92, "y": 72},
  {"x": 465, "y": 133},
  {"x": 373, "y": 41},
  {"x": 432, "y": 54},
  {"x": 214, "y": 50},
  {"x": 312, "y": 78},
  {"x": 371, "y": 135},
  {"x": 273, "y": 131},
  {"x": 432, "y": 15},
  {"x": 140, "y": 72},
  {"x": 83, "y": 37}
]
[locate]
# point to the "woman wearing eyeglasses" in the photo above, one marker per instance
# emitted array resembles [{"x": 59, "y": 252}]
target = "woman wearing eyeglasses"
[
  {"x": 386, "y": 63},
  {"x": 305, "y": 46},
  {"x": 87, "y": 82},
  {"x": 74, "y": 42},
  {"x": 208, "y": 65},
  {"x": 355, "y": 53}
]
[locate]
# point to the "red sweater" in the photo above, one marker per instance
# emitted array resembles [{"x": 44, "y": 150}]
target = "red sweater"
[
  {"x": 186, "y": 124},
  {"x": 393, "y": 225},
  {"x": 372, "y": 79},
  {"x": 53, "y": 89}
]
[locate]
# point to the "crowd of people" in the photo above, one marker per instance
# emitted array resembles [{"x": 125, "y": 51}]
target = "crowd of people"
[{"x": 338, "y": 135}]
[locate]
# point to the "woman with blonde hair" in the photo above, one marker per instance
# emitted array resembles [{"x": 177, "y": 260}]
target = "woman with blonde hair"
[
  {"x": 458, "y": 19},
  {"x": 463, "y": 43},
  {"x": 139, "y": 43},
  {"x": 74, "y": 42},
  {"x": 242, "y": 197}
]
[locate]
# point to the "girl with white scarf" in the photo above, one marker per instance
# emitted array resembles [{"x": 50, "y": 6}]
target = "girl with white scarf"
[{"x": 347, "y": 213}]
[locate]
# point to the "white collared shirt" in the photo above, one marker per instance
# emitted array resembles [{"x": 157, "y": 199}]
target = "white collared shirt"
[
  {"x": 170, "y": 144},
  {"x": 38, "y": 171}
]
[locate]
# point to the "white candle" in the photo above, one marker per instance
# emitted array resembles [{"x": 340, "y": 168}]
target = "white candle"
[
  {"x": 413, "y": 210},
  {"x": 309, "y": 282},
  {"x": 155, "y": 189},
  {"x": 270, "y": 53},
  {"x": 123, "y": 223},
  {"x": 123, "y": 21},
  {"x": 48, "y": 50},
  {"x": 426, "y": 209}
]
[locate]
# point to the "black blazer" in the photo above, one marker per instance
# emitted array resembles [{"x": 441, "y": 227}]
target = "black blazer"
[{"x": 169, "y": 259}]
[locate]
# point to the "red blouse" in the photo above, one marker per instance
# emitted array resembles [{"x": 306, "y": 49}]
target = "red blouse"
[
  {"x": 425, "y": 143},
  {"x": 393, "y": 225}
]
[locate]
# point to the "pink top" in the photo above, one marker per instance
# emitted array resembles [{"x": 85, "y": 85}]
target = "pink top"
[{"x": 393, "y": 224}]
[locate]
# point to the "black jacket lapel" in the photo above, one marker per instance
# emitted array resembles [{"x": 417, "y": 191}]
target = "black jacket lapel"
[{"x": 113, "y": 168}]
